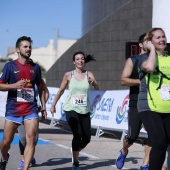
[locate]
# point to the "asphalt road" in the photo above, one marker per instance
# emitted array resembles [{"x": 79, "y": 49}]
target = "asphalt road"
[{"x": 53, "y": 150}]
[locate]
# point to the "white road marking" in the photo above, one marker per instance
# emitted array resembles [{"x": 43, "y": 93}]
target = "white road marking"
[
  {"x": 62, "y": 146},
  {"x": 85, "y": 154},
  {"x": 44, "y": 140},
  {"x": 88, "y": 155}
]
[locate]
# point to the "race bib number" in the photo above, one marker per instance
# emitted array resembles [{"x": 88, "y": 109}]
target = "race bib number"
[
  {"x": 25, "y": 95},
  {"x": 79, "y": 100},
  {"x": 165, "y": 92}
]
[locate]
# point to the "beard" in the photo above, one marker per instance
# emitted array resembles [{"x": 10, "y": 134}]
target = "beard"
[{"x": 26, "y": 56}]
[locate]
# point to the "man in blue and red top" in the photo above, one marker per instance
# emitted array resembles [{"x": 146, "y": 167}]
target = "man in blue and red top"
[{"x": 19, "y": 78}]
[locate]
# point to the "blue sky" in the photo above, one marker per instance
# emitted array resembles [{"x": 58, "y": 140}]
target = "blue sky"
[{"x": 39, "y": 19}]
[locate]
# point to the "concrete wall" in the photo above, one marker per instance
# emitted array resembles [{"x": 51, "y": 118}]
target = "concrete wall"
[
  {"x": 94, "y": 11},
  {"x": 107, "y": 41}
]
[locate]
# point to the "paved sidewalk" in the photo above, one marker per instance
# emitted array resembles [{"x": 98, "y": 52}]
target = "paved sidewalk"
[{"x": 53, "y": 151}]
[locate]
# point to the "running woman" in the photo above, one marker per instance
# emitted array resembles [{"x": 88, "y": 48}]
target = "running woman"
[{"x": 77, "y": 106}]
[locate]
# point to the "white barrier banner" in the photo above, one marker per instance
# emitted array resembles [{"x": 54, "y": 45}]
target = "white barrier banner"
[
  {"x": 108, "y": 108},
  {"x": 60, "y": 115},
  {"x": 3, "y": 98}
]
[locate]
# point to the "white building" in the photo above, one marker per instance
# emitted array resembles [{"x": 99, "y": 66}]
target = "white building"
[{"x": 47, "y": 56}]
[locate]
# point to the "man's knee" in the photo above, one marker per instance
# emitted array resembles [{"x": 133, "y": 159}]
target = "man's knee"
[
  {"x": 5, "y": 142},
  {"x": 31, "y": 139}
]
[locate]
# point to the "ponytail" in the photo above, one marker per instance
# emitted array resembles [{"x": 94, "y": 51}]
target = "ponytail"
[{"x": 87, "y": 57}]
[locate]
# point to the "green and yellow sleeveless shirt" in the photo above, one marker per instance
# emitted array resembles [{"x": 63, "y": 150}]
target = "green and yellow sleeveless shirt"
[{"x": 154, "y": 93}]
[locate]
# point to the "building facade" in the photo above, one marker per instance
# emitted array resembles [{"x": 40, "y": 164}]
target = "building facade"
[{"x": 107, "y": 26}]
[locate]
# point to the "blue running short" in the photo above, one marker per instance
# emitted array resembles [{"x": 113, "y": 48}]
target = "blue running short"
[{"x": 21, "y": 119}]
